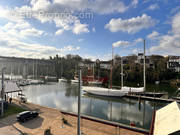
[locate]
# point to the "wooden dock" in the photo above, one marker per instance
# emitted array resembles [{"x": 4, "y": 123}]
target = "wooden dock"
[{"x": 151, "y": 98}]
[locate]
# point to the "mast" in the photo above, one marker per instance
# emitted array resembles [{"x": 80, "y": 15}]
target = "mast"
[
  {"x": 61, "y": 69},
  {"x": 36, "y": 69},
  {"x": 33, "y": 70},
  {"x": 111, "y": 69},
  {"x": 144, "y": 65},
  {"x": 121, "y": 72},
  {"x": 93, "y": 71}
]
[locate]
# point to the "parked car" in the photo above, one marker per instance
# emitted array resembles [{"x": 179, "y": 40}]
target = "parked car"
[{"x": 26, "y": 115}]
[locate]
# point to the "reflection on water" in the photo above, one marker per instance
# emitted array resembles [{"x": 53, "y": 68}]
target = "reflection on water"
[{"x": 63, "y": 96}]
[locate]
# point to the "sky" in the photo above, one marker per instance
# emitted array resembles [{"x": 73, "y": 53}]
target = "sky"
[{"x": 89, "y": 28}]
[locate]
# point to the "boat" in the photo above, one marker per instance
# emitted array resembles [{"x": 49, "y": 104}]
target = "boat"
[
  {"x": 135, "y": 89},
  {"x": 91, "y": 79},
  {"x": 75, "y": 80},
  {"x": 151, "y": 94},
  {"x": 23, "y": 82},
  {"x": 96, "y": 82},
  {"x": 103, "y": 91},
  {"x": 35, "y": 82},
  {"x": 62, "y": 79}
]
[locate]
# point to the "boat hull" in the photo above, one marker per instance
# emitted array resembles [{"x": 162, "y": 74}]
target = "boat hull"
[
  {"x": 62, "y": 80},
  {"x": 104, "y": 91}
]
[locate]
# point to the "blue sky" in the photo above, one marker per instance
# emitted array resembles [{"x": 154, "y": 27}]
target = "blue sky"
[{"x": 28, "y": 30}]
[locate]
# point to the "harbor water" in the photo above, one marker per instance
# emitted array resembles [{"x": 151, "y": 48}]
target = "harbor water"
[{"x": 63, "y": 96}]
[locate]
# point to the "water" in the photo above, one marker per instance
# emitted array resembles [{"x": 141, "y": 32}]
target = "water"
[{"x": 63, "y": 96}]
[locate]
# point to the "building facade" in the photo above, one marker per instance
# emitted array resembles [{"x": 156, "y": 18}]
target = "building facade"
[
  {"x": 140, "y": 60},
  {"x": 27, "y": 66},
  {"x": 174, "y": 63}
]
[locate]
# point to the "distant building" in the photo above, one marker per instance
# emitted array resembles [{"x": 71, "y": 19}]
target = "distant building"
[
  {"x": 88, "y": 64},
  {"x": 140, "y": 60},
  {"x": 27, "y": 66},
  {"x": 174, "y": 63},
  {"x": 105, "y": 65}
]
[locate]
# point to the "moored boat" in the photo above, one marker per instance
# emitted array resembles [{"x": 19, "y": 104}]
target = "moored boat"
[
  {"x": 104, "y": 91},
  {"x": 62, "y": 80}
]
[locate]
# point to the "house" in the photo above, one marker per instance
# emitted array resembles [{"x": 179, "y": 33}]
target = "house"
[
  {"x": 140, "y": 60},
  {"x": 174, "y": 63},
  {"x": 105, "y": 65}
]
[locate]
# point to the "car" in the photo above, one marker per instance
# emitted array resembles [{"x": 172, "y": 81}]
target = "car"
[{"x": 26, "y": 115}]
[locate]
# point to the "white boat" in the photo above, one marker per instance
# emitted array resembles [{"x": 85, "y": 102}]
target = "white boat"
[
  {"x": 75, "y": 81},
  {"x": 62, "y": 80},
  {"x": 95, "y": 82},
  {"x": 34, "y": 82},
  {"x": 112, "y": 92},
  {"x": 103, "y": 91},
  {"x": 134, "y": 89}
]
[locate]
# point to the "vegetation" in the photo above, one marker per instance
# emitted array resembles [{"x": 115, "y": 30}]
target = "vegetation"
[
  {"x": 133, "y": 72},
  {"x": 12, "y": 110}
]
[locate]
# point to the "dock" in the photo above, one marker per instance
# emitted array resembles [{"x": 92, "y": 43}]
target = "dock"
[
  {"x": 151, "y": 98},
  {"x": 52, "y": 118}
]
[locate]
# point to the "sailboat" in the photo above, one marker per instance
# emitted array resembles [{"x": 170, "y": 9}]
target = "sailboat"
[
  {"x": 92, "y": 80},
  {"x": 76, "y": 77},
  {"x": 75, "y": 80},
  {"x": 62, "y": 79},
  {"x": 116, "y": 92},
  {"x": 134, "y": 89},
  {"x": 105, "y": 91}
]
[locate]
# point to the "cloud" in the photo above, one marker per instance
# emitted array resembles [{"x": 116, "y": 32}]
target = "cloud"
[
  {"x": 101, "y": 57},
  {"x": 134, "y": 3},
  {"x": 120, "y": 43},
  {"x": 131, "y": 25},
  {"x": 21, "y": 29},
  {"x": 138, "y": 40},
  {"x": 176, "y": 24},
  {"x": 169, "y": 44},
  {"x": 153, "y": 7},
  {"x": 107, "y": 7},
  {"x": 59, "y": 32},
  {"x": 44, "y": 11},
  {"x": 80, "y": 28},
  {"x": 15, "y": 46},
  {"x": 31, "y": 32},
  {"x": 94, "y": 29},
  {"x": 80, "y": 40},
  {"x": 135, "y": 51},
  {"x": 153, "y": 35},
  {"x": 97, "y": 6}
]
